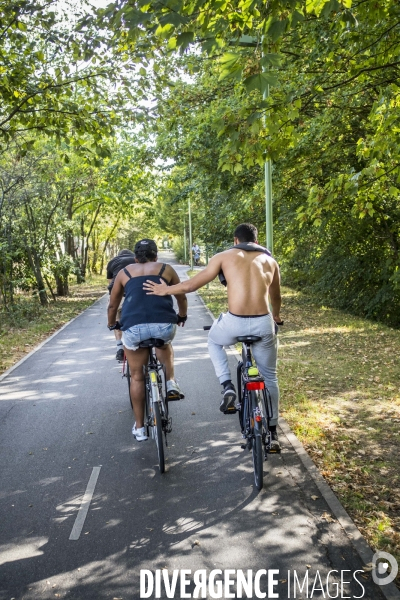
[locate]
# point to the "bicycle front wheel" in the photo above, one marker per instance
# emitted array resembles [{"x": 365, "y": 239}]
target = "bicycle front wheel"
[
  {"x": 158, "y": 435},
  {"x": 256, "y": 445}
]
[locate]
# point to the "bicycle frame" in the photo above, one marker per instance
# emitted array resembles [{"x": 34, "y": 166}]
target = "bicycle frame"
[
  {"x": 157, "y": 392},
  {"x": 249, "y": 415}
]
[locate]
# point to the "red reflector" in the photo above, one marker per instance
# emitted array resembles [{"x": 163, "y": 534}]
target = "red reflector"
[
  {"x": 255, "y": 385},
  {"x": 258, "y": 418}
]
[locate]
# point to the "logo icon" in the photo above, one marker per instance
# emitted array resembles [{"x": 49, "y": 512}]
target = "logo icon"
[{"x": 381, "y": 562}]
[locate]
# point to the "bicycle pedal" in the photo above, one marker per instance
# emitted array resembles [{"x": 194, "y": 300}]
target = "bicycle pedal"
[
  {"x": 173, "y": 396},
  {"x": 274, "y": 451},
  {"x": 243, "y": 446},
  {"x": 230, "y": 411}
]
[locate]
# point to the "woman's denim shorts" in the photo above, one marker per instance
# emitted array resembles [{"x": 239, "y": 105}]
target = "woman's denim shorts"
[{"x": 132, "y": 337}]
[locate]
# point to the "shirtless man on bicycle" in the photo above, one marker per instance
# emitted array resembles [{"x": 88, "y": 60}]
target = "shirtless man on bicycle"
[{"x": 253, "y": 284}]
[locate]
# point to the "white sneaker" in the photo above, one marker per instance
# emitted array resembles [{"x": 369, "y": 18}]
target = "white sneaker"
[
  {"x": 173, "y": 390},
  {"x": 140, "y": 434}
]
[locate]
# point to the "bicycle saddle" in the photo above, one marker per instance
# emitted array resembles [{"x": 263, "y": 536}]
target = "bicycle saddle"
[
  {"x": 248, "y": 339},
  {"x": 152, "y": 342}
]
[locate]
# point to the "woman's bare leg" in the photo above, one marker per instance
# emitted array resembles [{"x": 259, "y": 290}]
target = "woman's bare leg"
[
  {"x": 136, "y": 360},
  {"x": 166, "y": 357}
]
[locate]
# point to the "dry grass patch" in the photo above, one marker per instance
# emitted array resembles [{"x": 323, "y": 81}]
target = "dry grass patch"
[
  {"x": 340, "y": 392},
  {"x": 29, "y": 323}
]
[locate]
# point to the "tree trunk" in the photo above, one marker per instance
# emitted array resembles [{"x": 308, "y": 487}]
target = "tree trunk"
[
  {"x": 50, "y": 288},
  {"x": 80, "y": 263},
  {"x": 36, "y": 267},
  {"x": 85, "y": 242},
  {"x": 95, "y": 247},
  {"x": 69, "y": 236},
  {"x": 62, "y": 285},
  {"x": 106, "y": 243}
]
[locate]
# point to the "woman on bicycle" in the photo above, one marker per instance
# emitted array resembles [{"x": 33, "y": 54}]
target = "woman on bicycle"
[{"x": 143, "y": 318}]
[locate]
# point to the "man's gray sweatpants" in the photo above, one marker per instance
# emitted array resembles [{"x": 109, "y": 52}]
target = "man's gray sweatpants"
[{"x": 224, "y": 332}]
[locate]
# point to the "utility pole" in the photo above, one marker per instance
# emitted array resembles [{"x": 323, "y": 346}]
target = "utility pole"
[
  {"x": 268, "y": 187},
  {"x": 184, "y": 237},
  {"x": 247, "y": 40},
  {"x": 190, "y": 236}
]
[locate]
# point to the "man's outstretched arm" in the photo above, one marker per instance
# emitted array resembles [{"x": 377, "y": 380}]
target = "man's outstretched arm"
[{"x": 185, "y": 287}]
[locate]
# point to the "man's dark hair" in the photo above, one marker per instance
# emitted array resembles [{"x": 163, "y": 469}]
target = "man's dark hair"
[
  {"x": 126, "y": 252},
  {"x": 246, "y": 232}
]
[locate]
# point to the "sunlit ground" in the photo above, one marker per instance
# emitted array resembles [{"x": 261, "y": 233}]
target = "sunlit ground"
[{"x": 28, "y": 323}]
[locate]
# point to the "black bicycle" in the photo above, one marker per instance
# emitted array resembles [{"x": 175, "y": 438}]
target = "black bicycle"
[
  {"x": 254, "y": 408},
  {"x": 157, "y": 421}
]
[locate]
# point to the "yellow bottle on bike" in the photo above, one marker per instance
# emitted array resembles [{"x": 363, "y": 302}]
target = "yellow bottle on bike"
[{"x": 253, "y": 372}]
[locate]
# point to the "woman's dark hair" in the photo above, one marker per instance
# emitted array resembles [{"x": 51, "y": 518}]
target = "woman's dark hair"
[
  {"x": 246, "y": 232},
  {"x": 145, "y": 251}
]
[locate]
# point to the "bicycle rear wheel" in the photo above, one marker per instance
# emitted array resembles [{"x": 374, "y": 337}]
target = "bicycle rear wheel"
[
  {"x": 256, "y": 444},
  {"x": 158, "y": 436},
  {"x": 153, "y": 404}
]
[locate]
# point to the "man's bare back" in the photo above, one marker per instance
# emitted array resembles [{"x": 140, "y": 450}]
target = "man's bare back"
[{"x": 249, "y": 276}]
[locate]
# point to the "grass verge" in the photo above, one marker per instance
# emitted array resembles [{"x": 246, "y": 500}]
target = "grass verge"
[
  {"x": 29, "y": 323},
  {"x": 340, "y": 393}
]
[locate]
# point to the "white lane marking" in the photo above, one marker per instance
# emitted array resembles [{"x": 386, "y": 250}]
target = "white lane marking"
[{"x": 86, "y": 500}]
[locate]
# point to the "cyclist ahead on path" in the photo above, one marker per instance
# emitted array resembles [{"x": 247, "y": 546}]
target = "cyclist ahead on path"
[
  {"x": 124, "y": 258},
  {"x": 143, "y": 318},
  {"x": 253, "y": 279},
  {"x": 196, "y": 253}
]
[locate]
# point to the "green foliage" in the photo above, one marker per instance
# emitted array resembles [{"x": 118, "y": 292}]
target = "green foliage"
[
  {"x": 59, "y": 218},
  {"x": 178, "y": 247},
  {"x": 330, "y": 125}
]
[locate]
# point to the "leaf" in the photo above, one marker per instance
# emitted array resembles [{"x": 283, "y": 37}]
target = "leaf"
[
  {"x": 276, "y": 29},
  {"x": 260, "y": 82},
  {"x": 315, "y": 6},
  {"x": 297, "y": 17},
  {"x": 172, "y": 43},
  {"x": 230, "y": 65},
  {"x": 235, "y": 73},
  {"x": 229, "y": 59},
  {"x": 330, "y": 6},
  {"x": 328, "y": 518},
  {"x": 172, "y": 18},
  {"x": 184, "y": 39},
  {"x": 314, "y": 497},
  {"x": 271, "y": 59}
]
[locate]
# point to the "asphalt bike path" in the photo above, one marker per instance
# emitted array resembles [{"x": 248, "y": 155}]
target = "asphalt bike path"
[{"x": 84, "y": 509}]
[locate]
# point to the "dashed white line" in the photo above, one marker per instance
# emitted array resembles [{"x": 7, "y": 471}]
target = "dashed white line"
[{"x": 86, "y": 500}]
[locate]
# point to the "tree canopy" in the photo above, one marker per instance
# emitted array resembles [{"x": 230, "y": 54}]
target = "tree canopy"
[{"x": 114, "y": 118}]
